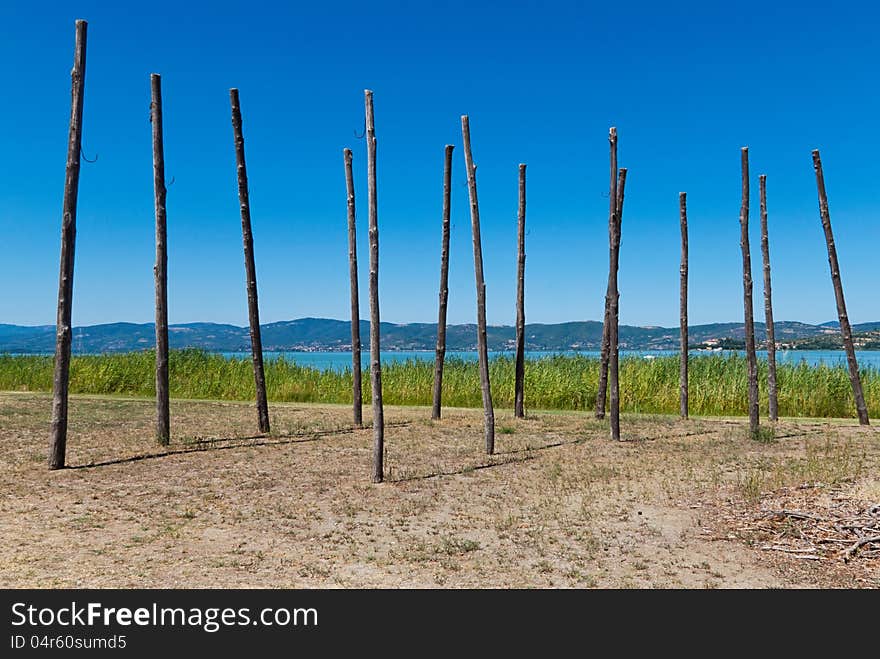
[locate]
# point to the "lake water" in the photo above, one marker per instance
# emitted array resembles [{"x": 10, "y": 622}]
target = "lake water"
[{"x": 339, "y": 361}]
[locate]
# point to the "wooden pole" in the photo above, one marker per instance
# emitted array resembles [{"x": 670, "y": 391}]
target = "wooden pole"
[
  {"x": 440, "y": 355},
  {"x": 683, "y": 307},
  {"x": 519, "y": 384},
  {"x": 250, "y": 268},
  {"x": 160, "y": 270},
  {"x": 488, "y": 411},
  {"x": 845, "y": 329},
  {"x": 356, "y": 393},
  {"x": 58, "y": 431},
  {"x": 606, "y": 322},
  {"x": 375, "y": 358},
  {"x": 773, "y": 408},
  {"x": 751, "y": 357},
  {"x": 616, "y": 209}
]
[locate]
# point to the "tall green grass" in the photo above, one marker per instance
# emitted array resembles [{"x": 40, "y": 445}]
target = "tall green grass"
[{"x": 717, "y": 382}]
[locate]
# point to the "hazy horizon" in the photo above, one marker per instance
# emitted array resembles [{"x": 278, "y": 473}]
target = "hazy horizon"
[{"x": 244, "y": 324}]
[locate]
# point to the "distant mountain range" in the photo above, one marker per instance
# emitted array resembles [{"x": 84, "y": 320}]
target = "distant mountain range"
[{"x": 322, "y": 334}]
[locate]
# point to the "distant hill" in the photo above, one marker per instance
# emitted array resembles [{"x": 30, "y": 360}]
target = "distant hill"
[
  {"x": 862, "y": 340},
  {"x": 320, "y": 334},
  {"x": 861, "y": 327}
]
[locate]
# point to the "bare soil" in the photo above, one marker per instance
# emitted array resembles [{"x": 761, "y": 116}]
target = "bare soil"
[{"x": 677, "y": 505}]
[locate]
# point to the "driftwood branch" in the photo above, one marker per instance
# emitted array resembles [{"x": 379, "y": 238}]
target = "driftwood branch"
[
  {"x": 848, "y": 553},
  {"x": 803, "y": 523}
]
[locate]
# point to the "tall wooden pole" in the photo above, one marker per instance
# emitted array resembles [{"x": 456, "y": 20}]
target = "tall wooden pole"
[
  {"x": 375, "y": 359},
  {"x": 519, "y": 384},
  {"x": 250, "y": 268},
  {"x": 356, "y": 393},
  {"x": 58, "y": 432},
  {"x": 616, "y": 208},
  {"x": 773, "y": 410},
  {"x": 482, "y": 348},
  {"x": 751, "y": 357},
  {"x": 160, "y": 270},
  {"x": 606, "y": 322},
  {"x": 845, "y": 329},
  {"x": 683, "y": 307},
  {"x": 440, "y": 355}
]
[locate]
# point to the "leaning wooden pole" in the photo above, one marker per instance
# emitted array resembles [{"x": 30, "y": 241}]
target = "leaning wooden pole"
[
  {"x": 773, "y": 406},
  {"x": 375, "y": 359},
  {"x": 602, "y": 394},
  {"x": 683, "y": 308},
  {"x": 482, "y": 348},
  {"x": 58, "y": 432},
  {"x": 356, "y": 393},
  {"x": 250, "y": 268},
  {"x": 519, "y": 370},
  {"x": 160, "y": 270},
  {"x": 751, "y": 357},
  {"x": 845, "y": 329},
  {"x": 440, "y": 354}
]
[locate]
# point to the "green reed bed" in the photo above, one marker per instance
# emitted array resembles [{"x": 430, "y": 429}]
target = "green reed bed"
[{"x": 717, "y": 382}]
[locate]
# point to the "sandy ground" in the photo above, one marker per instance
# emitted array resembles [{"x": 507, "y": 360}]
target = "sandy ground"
[{"x": 559, "y": 505}]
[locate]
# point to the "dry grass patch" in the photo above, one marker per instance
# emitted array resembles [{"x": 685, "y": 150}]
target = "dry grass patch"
[{"x": 559, "y": 504}]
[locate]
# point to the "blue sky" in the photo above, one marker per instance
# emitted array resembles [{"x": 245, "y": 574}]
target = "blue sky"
[{"x": 686, "y": 84}]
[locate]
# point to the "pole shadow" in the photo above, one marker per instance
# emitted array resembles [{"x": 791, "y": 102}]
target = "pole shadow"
[
  {"x": 217, "y": 444},
  {"x": 466, "y": 469}
]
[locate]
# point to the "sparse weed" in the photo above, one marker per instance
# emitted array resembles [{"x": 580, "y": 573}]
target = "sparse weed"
[
  {"x": 453, "y": 546},
  {"x": 764, "y": 434}
]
